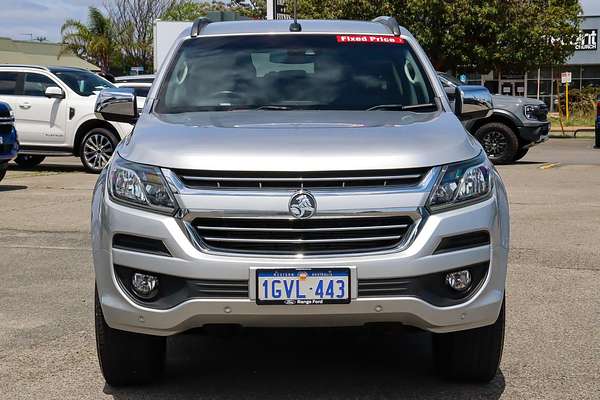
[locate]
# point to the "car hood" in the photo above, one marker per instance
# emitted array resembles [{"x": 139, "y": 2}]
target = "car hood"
[
  {"x": 298, "y": 140},
  {"x": 501, "y": 101}
]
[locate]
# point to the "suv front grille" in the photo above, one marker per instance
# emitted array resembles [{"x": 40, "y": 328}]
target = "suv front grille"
[
  {"x": 309, "y": 236},
  {"x": 541, "y": 112},
  {"x": 196, "y": 179}
]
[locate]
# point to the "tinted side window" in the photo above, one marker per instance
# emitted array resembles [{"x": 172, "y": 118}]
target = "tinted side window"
[
  {"x": 8, "y": 82},
  {"x": 36, "y": 84}
]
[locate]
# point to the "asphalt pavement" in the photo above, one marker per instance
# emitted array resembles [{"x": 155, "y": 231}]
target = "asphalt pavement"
[{"x": 552, "y": 347}]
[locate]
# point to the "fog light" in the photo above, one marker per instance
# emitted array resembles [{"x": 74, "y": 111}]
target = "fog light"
[
  {"x": 145, "y": 286},
  {"x": 459, "y": 280}
]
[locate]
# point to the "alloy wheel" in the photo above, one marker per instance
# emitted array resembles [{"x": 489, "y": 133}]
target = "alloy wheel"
[
  {"x": 97, "y": 150},
  {"x": 494, "y": 143}
]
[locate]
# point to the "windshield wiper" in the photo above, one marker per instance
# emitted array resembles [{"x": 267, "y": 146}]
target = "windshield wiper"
[
  {"x": 273, "y": 107},
  {"x": 401, "y": 107}
]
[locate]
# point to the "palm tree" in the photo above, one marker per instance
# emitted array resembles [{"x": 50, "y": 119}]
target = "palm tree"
[{"x": 93, "y": 42}]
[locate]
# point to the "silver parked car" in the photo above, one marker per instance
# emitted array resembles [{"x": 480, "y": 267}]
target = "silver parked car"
[{"x": 285, "y": 176}]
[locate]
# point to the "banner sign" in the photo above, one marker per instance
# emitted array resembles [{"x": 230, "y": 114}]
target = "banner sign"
[
  {"x": 587, "y": 40},
  {"x": 369, "y": 39}
]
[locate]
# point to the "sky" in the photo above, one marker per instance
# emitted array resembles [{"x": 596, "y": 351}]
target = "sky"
[{"x": 21, "y": 19}]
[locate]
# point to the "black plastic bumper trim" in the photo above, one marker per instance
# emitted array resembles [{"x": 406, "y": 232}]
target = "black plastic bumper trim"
[
  {"x": 173, "y": 290},
  {"x": 431, "y": 288},
  {"x": 463, "y": 241},
  {"x": 140, "y": 244}
]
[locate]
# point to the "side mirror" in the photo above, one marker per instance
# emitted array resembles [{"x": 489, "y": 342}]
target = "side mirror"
[
  {"x": 54, "y": 92},
  {"x": 450, "y": 92},
  {"x": 472, "y": 102},
  {"x": 118, "y": 105}
]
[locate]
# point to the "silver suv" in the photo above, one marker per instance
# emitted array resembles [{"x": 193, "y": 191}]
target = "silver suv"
[{"x": 298, "y": 176}]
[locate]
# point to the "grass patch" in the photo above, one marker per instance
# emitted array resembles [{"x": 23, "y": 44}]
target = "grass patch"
[{"x": 575, "y": 120}]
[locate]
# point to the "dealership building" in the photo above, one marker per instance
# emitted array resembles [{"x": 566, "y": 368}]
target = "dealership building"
[{"x": 584, "y": 66}]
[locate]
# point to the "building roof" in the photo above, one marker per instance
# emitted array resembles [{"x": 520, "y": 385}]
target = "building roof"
[
  {"x": 308, "y": 26},
  {"x": 39, "y": 53}
]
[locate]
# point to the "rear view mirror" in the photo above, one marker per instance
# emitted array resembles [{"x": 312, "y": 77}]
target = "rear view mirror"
[
  {"x": 472, "y": 102},
  {"x": 54, "y": 92},
  {"x": 118, "y": 105},
  {"x": 292, "y": 57}
]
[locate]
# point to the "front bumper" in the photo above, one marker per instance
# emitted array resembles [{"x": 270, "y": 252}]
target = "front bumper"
[
  {"x": 9, "y": 146},
  {"x": 123, "y": 312},
  {"x": 535, "y": 133}
]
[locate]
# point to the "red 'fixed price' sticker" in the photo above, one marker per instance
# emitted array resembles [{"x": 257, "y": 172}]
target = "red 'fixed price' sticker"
[{"x": 374, "y": 39}]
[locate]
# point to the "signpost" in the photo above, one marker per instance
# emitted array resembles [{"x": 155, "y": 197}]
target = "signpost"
[
  {"x": 565, "y": 78},
  {"x": 136, "y": 70},
  {"x": 277, "y": 9}
]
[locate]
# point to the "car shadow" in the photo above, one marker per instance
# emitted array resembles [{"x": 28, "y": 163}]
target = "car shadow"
[
  {"x": 10, "y": 188},
  {"x": 527, "y": 162},
  {"x": 305, "y": 364},
  {"x": 49, "y": 168}
]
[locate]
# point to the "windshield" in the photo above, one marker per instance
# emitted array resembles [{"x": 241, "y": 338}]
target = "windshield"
[
  {"x": 84, "y": 83},
  {"x": 282, "y": 72}
]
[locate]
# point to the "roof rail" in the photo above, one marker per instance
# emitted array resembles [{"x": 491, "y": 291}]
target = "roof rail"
[
  {"x": 390, "y": 22},
  {"x": 25, "y": 66},
  {"x": 199, "y": 24}
]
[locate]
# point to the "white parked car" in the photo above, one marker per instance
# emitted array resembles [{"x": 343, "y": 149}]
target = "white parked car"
[
  {"x": 54, "y": 114},
  {"x": 140, "y": 84}
]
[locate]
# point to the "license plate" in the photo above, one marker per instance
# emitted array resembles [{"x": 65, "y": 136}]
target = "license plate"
[{"x": 303, "y": 286}]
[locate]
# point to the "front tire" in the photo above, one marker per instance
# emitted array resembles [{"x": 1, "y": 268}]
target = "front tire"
[
  {"x": 3, "y": 169},
  {"x": 29, "y": 161},
  {"x": 127, "y": 358},
  {"x": 96, "y": 149},
  {"x": 499, "y": 142},
  {"x": 472, "y": 355},
  {"x": 521, "y": 153}
]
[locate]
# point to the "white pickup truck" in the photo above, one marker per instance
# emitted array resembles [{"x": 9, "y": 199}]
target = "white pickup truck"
[{"x": 54, "y": 114}]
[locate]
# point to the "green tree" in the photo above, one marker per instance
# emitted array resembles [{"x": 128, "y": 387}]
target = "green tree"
[
  {"x": 133, "y": 22},
  {"x": 92, "y": 41},
  {"x": 189, "y": 10},
  {"x": 514, "y": 35}
]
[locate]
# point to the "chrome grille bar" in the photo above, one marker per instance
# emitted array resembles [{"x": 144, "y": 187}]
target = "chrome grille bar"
[
  {"x": 339, "y": 179},
  {"x": 352, "y": 228},
  {"x": 337, "y": 235},
  {"x": 301, "y": 241},
  {"x": 291, "y": 180}
]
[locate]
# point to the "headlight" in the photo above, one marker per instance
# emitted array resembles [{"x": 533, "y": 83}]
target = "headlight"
[
  {"x": 462, "y": 183},
  {"x": 530, "y": 111},
  {"x": 139, "y": 185}
]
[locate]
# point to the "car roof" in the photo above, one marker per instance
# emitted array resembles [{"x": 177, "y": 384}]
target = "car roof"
[
  {"x": 132, "y": 84},
  {"x": 308, "y": 26},
  {"x": 41, "y": 67},
  {"x": 135, "y": 78}
]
